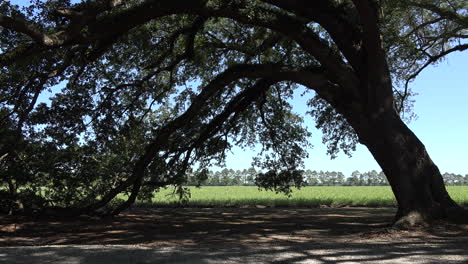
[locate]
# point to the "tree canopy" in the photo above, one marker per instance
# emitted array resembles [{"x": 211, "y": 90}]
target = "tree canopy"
[{"x": 144, "y": 93}]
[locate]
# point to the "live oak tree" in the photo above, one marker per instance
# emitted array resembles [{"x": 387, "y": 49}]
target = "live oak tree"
[{"x": 144, "y": 92}]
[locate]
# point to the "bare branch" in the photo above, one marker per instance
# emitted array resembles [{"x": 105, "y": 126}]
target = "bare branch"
[
  {"x": 441, "y": 11},
  {"x": 432, "y": 59}
]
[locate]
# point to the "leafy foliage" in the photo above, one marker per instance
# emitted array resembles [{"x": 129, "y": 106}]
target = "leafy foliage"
[
  {"x": 107, "y": 97},
  {"x": 280, "y": 181}
]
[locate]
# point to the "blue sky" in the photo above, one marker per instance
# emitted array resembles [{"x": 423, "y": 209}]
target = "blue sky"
[{"x": 442, "y": 124}]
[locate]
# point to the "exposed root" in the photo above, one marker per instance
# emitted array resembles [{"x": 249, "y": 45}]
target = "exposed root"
[
  {"x": 416, "y": 219},
  {"x": 411, "y": 220}
]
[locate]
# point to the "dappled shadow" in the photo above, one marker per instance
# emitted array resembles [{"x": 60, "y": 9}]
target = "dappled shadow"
[
  {"x": 279, "y": 252},
  {"x": 193, "y": 226},
  {"x": 232, "y": 235}
]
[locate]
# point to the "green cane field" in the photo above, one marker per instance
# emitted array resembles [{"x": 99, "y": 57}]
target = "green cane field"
[{"x": 239, "y": 196}]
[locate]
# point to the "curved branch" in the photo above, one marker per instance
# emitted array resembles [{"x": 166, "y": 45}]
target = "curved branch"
[
  {"x": 22, "y": 26},
  {"x": 442, "y": 12},
  {"x": 422, "y": 25},
  {"x": 431, "y": 60},
  {"x": 240, "y": 102},
  {"x": 336, "y": 20},
  {"x": 233, "y": 73}
]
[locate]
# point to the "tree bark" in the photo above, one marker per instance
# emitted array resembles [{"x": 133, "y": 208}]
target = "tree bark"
[{"x": 416, "y": 181}]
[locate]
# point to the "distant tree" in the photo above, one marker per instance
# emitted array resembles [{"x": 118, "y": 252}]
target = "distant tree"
[
  {"x": 381, "y": 179},
  {"x": 331, "y": 175},
  {"x": 364, "y": 179},
  {"x": 323, "y": 178},
  {"x": 449, "y": 178},
  {"x": 237, "y": 178},
  {"x": 453, "y": 179},
  {"x": 338, "y": 178},
  {"x": 225, "y": 177},
  {"x": 311, "y": 177},
  {"x": 250, "y": 176},
  {"x": 373, "y": 178},
  {"x": 354, "y": 179},
  {"x": 215, "y": 179},
  {"x": 459, "y": 179}
]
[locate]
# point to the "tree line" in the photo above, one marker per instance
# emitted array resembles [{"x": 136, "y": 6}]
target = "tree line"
[{"x": 247, "y": 177}]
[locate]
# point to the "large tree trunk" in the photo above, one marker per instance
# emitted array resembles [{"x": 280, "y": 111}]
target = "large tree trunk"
[{"x": 415, "y": 180}]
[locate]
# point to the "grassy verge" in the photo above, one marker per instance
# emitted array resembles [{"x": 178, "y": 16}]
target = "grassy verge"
[{"x": 232, "y": 196}]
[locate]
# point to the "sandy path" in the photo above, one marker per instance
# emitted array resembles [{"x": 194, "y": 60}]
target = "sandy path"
[
  {"x": 236, "y": 235},
  {"x": 422, "y": 252}
]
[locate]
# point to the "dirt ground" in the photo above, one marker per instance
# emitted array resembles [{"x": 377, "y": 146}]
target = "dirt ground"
[{"x": 230, "y": 235}]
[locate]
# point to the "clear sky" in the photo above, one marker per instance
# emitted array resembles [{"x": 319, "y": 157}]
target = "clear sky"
[{"x": 442, "y": 124}]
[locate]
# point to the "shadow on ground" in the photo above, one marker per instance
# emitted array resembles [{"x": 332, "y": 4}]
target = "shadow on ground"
[{"x": 230, "y": 235}]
